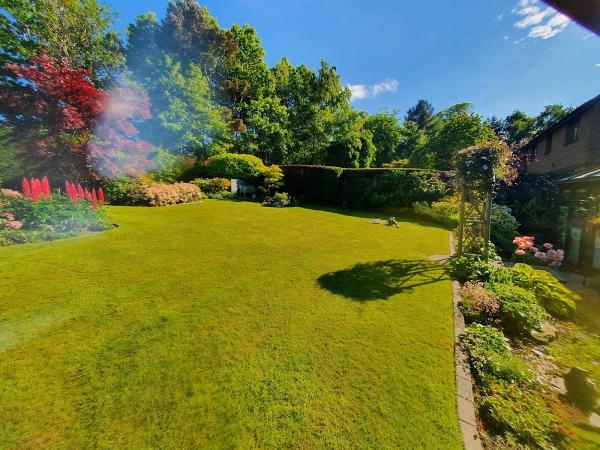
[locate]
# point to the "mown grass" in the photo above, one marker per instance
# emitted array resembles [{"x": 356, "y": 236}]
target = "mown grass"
[{"x": 228, "y": 325}]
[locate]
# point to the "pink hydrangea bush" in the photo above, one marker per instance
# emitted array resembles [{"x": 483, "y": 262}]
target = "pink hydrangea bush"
[{"x": 547, "y": 254}]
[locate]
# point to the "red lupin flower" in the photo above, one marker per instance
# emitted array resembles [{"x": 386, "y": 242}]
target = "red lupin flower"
[{"x": 26, "y": 188}]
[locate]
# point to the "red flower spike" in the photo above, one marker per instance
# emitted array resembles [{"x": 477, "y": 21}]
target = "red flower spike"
[
  {"x": 35, "y": 189},
  {"x": 26, "y": 188},
  {"x": 101, "y": 195},
  {"x": 80, "y": 191},
  {"x": 45, "y": 187},
  {"x": 94, "y": 200}
]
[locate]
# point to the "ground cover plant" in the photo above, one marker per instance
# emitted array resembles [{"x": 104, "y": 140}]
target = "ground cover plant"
[{"x": 278, "y": 328}]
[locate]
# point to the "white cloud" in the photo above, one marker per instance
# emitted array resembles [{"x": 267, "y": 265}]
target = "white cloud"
[
  {"x": 360, "y": 91},
  {"x": 598, "y": 65},
  {"x": 506, "y": 37},
  {"x": 499, "y": 17},
  {"x": 542, "y": 23}
]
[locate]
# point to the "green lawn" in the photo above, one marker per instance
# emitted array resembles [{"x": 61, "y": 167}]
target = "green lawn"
[{"x": 229, "y": 325}]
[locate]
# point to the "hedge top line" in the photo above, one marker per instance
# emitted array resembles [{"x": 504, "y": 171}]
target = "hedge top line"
[{"x": 368, "y": 169}]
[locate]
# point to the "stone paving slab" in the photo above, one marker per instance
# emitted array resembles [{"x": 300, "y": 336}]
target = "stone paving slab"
[{"x": 464, "y": 383}]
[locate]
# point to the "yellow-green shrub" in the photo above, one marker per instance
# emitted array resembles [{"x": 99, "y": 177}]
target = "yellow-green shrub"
[{"x": 160, "y": 194}]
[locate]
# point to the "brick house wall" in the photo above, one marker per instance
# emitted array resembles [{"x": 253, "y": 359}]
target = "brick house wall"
[{"x": 563, "y": 157}]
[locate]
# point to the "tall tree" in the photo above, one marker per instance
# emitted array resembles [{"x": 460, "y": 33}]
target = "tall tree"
[
  {"x": 185, "y": 119},
  {"x": 550, "y": 115},
  {"x": 456, "y": 133},
  {"x": 76, "y": 31},
  {"x": 387, "y": 135},
  {"x": 65, "y": 125},
  {"x": 190, "y": 32},
  {"x": 423, "y": 115},
  {"x": 318, "y": 107}
]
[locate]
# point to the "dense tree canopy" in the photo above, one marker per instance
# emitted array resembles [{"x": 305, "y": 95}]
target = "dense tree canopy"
[
  {"x": 67, "y": 86},
  {"x": 76, "y": 31}
]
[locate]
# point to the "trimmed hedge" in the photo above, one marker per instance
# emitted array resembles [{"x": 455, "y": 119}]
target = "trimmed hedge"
[
  {"x": 364, "y": 188},
  {"x": 316, "y": 183}
]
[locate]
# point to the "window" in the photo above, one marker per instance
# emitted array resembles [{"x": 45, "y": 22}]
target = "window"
[
  {"x": 572, "y": 131},
  {"x": 548, "y": 144},
  {"x": 532, "y": 152},
  {"x": 574, "y": 243}
]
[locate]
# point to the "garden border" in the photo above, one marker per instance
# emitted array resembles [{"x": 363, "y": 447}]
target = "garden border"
[{"x": 464, "y": 383}]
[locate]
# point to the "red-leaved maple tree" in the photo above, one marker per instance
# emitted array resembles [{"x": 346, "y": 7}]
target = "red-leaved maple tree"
[{"x": 64, "y": 124}]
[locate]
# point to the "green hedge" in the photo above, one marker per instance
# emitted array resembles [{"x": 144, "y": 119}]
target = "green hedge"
[
  {"x": 316, "y": 183},
  {"x": 365, "y": 188}
]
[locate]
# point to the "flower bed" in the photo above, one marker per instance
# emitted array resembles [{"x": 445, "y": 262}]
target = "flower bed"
[
  {"x": 512, "y": 315},
  {"x": 38, "y": 214}
]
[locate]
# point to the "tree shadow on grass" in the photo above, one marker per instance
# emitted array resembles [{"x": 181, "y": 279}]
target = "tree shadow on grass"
[{"x": 380, "y": 280}]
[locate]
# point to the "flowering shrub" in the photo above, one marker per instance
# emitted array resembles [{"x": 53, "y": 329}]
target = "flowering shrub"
[
  {"x": 39, "y": 214},
  {"x": 160, "y": 194},
  {"x": 546, "y": 255},
  {"x": 8, "y": 222},
  {"x": 478, "y": 305},
  {"x": 482, "y": 165}
]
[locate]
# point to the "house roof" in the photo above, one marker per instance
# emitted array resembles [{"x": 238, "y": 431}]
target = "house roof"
[
  {"x": 585, "y": 12},
  {"x": 556, "y": 125},
  {"x": 585, "y": 177}
]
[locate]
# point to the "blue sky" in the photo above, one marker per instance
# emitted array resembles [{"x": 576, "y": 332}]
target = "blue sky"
[{"x": 498, "y": 54}]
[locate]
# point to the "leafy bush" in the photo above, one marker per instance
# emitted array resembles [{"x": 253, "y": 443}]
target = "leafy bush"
[
  {"x": 478, "y": 305},
  {"x": 272, "y": 180},
  {"x": 521, "y": 416},
  {"x": 444, "y": 211},
  {"x": 200, "y": 170},
  {"x": 165, "y": 194},
  {"x": 213, "y": 185},
  {"x": 118, "y": 190},
  {"x": 491, "y": 357},
  {"x": 549, "y": 292},
  {"x": 232, "y": 165},
  {"x": 520, "y": 313},
  {"x": 480, "y": 165},
  {"x": 170, "y": 166},
  {"x": 534, "y": 199},
  {"x": 504, "y": 228},
  {"x": 465, "y": 268},
  {"x": 279, "y": 200}
]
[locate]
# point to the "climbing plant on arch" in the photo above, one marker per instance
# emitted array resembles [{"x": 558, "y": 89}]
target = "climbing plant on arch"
[{"x": 478, "y": 170}]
